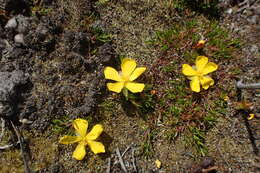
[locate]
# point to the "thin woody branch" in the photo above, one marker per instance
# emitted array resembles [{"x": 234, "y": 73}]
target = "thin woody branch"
[{"x": 241, "y": 85}]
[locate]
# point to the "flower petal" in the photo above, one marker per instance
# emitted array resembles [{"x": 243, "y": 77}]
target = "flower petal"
[
  {"x": 210, "y": 67},
  {"x": 96, "y": 147},
  {"x": 80, "y": 152},
  {"x": 137, "y": 72},
  {"x": 116, "y": 87},
  {"x": 69, "y": 139},
  {"x": 128, "y": 66},
  {"x": 206, "y": 82},
  {"x": 80, "y": 126},
  {"x": 135, "y": 87},
  {"x": 201, "y": 62},
  {"x": 111, "y": 73},
  {"x": 188, "y": 70},
  {"x": 95, "y": 132},
  {"x": 195, "y": 84}
]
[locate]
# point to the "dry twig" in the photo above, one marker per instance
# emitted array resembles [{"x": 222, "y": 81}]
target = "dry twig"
[
  {"x": 133, "y": 160},
  {"x": 213, "y": 168},
  {"x": 126, "y": 150},
  {"x": 108, "y": 165},
  {"x": 121, "y": 160},
  {"x": 6, "y": 146},
  {"x": 240, "y": 85},
  {"x": 21, "y": 141}
]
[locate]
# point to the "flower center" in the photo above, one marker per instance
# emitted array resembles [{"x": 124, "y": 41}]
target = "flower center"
[
  {"x": 124, "y": 77},
  {"x": 199, "y": 73}
]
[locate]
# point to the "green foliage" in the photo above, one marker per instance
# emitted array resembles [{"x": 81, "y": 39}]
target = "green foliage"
[
  {"x": 196, "y": 138},
  {"x": 101, "y": 35},
  {"x": 147, "y": 147},
  {"x": 59, "y": 126}
]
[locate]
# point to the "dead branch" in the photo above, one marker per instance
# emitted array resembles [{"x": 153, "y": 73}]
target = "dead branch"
[
  {"x": 6, "y": 146},
  {"x": 121, "y": 160},
  {"x": 108, "y": 165},
  {"x": 133, "y": 160},
  {"x": 126, "y": 150},
  {"x": 240, "y": 85},
  {"x": 21, "y": 141}
]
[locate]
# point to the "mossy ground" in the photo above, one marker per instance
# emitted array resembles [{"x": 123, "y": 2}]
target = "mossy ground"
[{"x": 169, "y": 122}]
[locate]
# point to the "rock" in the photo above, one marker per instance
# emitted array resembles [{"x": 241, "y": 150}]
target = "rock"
[
  {"x": 253, "y": 19},
  {"x": 12, "y": 23},
  {"x": 254, "y": 49},
  {"x": 8, "y": 83},
  {"x": 77, "y": 42},
  {"x": 23, "y": 24},
  {"x": 9, "y": 91},
  {"x": 18, "y": 38},
  {"x": 20, "y": 24},
  {"x": 229, "y": 11},
  {"x": 105, "y": 54}
]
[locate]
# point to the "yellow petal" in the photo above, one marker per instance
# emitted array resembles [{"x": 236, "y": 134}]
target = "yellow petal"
[
  {"x": 116, "y": 87},
  {"x": 80, "y": 152},
  {"x": 80, "y": 126},
  {"x": 95, "y": 132},
  {"x": 251, "y": 116},
  {"x": 96, "y": 147},
  {"x": 202, "y": 42},
  {"x": 128, "y": 66},
  {"x": 137, "y": 72},
  {"x": 195, "y": 84},
  {"x": 69, "y": 139},
  {"x": 135, "y": 87},
  {"x": 111, "y": 73},
  {"x": 188, "y": 70},
  {"x": 201, "y": 62},
  {"x": 210, "y": 67},
  {"x": 158, "y": 163},
  {"x": 206, "y": 82}
]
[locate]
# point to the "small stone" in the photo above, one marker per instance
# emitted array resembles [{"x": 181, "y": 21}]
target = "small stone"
[
  {"x": 254, "y": 49},
  {"x": 23, "y": 24},
  {"x": 253, "y": 19},
  {"x": 229, "y": 11},
  {"x": 12, "y": 23},
  {"x": 19, "y": 38}
]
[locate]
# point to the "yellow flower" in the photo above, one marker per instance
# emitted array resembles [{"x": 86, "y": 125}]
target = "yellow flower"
[
  {"x": 251, "y": 116},
  {"x": 158, "y": 163},
  {"x": 198, "y": 74},
  {"x": 84, "y": 139},
  {"x": 200, "y": 44},
  {"x": 126, "y": 77}
]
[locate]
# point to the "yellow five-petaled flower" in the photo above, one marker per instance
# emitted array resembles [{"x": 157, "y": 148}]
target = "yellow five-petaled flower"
[
  {"x": 198, "y": 74},
  {"x": 126, "y": 77},
  {"x": 84, "y": 139}
]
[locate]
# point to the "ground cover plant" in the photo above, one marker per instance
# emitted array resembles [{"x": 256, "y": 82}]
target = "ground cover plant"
[{"x": 153, "y": 81}]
